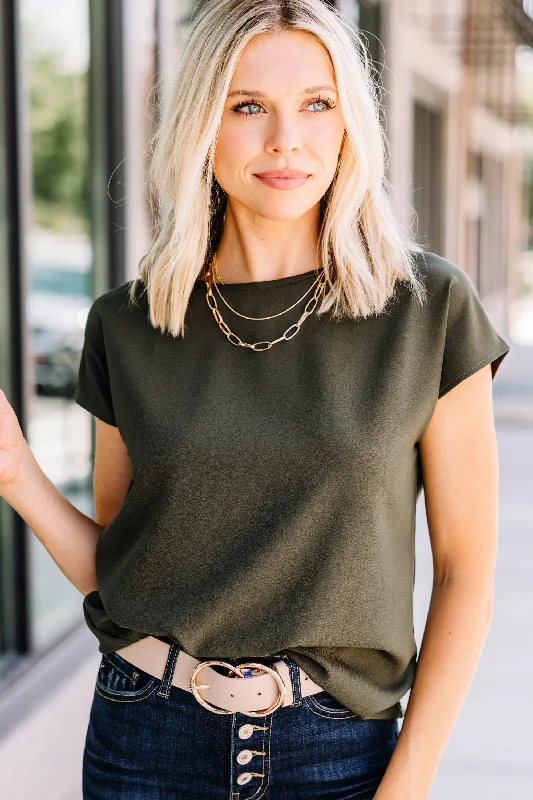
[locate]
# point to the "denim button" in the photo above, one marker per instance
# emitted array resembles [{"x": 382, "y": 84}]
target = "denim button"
[
  {"x": 245, "y": 756},
  {"x": 244, "y": 777},
  {"x": 245, "y": 731}
]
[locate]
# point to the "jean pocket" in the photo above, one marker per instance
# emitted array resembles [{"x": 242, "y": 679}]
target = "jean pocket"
[
  {"x": 325, "y": 705},
  {"x": 123, "y": 682}
]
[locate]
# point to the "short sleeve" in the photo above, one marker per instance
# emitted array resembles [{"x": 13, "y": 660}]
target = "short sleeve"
[
  {"x": 471, "y": 341},
  {"x": 93, "y": 391}
]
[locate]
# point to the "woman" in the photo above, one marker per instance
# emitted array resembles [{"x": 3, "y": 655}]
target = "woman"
[{"x": 271, "y": 393}]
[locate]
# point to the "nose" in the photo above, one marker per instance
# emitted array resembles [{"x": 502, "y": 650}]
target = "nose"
[{"x": 284, "y": 136}]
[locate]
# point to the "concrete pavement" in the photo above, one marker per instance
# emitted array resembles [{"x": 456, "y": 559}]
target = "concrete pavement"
[{"x": 489, "y": 755}]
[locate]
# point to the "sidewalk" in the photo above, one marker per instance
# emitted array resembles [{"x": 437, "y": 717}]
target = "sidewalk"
[
  {"x": 41, "y": 759},
  {"x": 489, "y": 753},
  {"x": 513, "y": 387}
]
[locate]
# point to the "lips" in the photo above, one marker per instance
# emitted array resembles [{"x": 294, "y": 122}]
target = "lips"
[
  {"x": 283, "y": 178},
  {"x": 282, "y": 173}
]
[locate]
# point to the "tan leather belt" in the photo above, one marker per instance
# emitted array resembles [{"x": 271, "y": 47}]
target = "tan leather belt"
[{"x": 252, "y": 694}]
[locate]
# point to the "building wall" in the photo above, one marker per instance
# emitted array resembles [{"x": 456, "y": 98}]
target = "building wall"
[{"x": 456, "y": 59}]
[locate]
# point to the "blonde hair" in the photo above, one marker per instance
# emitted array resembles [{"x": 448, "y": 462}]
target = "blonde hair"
[{"x": 361, "y": 246}]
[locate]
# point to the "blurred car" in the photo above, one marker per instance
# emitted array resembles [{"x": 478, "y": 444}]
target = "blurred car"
[
  {"x": 58, "y": 300},
  {"x": 56, "y": 358}
]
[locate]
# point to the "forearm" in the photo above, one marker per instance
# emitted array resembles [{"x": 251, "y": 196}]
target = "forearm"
[
  {"x": 68, "y": 535},
  {"x": 457, "y": 625}
]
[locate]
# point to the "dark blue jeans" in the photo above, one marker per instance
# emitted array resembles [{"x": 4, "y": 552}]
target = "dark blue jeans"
[{"x": 149, "y": 740}]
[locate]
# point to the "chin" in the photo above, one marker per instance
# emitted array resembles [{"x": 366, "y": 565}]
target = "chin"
[{"x": 283, "y": 213}]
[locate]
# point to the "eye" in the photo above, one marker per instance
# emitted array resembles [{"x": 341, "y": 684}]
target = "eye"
[
  {"x": 245, "y": 105},
  {"x": 328, "y": 105}
]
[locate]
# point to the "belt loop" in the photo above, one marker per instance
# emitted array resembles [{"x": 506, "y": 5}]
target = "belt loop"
[
  {"x": 294, "y": 674},
  {"x": 168, "y": 674}
]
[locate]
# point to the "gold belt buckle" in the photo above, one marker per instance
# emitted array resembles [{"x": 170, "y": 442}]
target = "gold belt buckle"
[{"x": 274, "y": 673}]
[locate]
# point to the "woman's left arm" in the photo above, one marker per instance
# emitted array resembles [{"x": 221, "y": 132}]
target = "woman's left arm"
[{"x": 459, "y": 460}]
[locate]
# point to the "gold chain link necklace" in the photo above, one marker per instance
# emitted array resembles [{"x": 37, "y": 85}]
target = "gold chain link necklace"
[
  {"x": 217, "y": 280},
  {"x": 291, "y": 331}
]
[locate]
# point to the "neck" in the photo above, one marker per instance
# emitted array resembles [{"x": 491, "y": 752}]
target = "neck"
[{"x": 255, "y": 249}]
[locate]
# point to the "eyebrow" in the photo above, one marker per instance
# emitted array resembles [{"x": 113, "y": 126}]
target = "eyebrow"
[{"x": 257, "y": 93}]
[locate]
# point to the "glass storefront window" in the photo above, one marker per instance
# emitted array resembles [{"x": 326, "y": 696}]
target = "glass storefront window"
[
  {"x": 184, "y": 10},
  {"x": 55, "y": 46},
  {"x": 350, "y": 9}
]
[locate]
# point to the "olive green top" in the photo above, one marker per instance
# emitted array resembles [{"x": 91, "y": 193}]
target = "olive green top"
[{"x": 272, "y": 506}]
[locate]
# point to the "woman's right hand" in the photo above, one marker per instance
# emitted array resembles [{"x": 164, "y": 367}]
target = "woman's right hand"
[{"x": 13, "y": 445}]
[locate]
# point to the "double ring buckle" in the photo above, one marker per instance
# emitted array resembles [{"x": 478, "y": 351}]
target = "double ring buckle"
[{"x": 194, "y": 687}]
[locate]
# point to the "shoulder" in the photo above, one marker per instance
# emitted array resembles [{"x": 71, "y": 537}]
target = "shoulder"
[
  {"x": 118, "y": 300},
  {"x": 113, "y": 317},
  {"x": 444, "y": 287},
  {"x": 441, "y": 276}
]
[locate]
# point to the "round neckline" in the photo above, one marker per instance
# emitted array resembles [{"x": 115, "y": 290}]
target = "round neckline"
[{"x": 268, "y": 284}]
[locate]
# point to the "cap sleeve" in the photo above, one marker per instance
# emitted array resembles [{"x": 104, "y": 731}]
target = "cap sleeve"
[
  {"x": 471, "y": 341},
  {"x": 93, "y": 391}
]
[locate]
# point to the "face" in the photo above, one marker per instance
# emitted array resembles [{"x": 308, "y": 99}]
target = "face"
[{"x": 282, "y": 113}]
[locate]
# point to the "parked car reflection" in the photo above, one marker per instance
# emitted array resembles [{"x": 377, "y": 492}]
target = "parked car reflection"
[
  {"x": 56, "y": 359},
  {"x": 57, "y": 307}
]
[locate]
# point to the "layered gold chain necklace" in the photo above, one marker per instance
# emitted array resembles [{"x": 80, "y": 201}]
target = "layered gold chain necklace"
[{"x": 291, "y": 331}]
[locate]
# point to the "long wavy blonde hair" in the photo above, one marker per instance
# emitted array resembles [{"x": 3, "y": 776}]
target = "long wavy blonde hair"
[{"x": 361, "y": 246}]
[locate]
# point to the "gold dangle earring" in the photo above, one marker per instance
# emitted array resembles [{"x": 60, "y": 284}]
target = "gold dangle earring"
[
  {"x": 216, "y": 273},
  {"x": 342, "y": 145}
]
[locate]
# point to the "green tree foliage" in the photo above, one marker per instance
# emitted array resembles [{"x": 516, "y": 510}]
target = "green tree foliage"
[{"x": 59, "y": 141}]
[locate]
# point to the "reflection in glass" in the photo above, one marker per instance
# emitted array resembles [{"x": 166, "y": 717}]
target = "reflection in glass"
[
  {"x": 183, "y": 13},
  {"x": 55, "y": 43}
]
